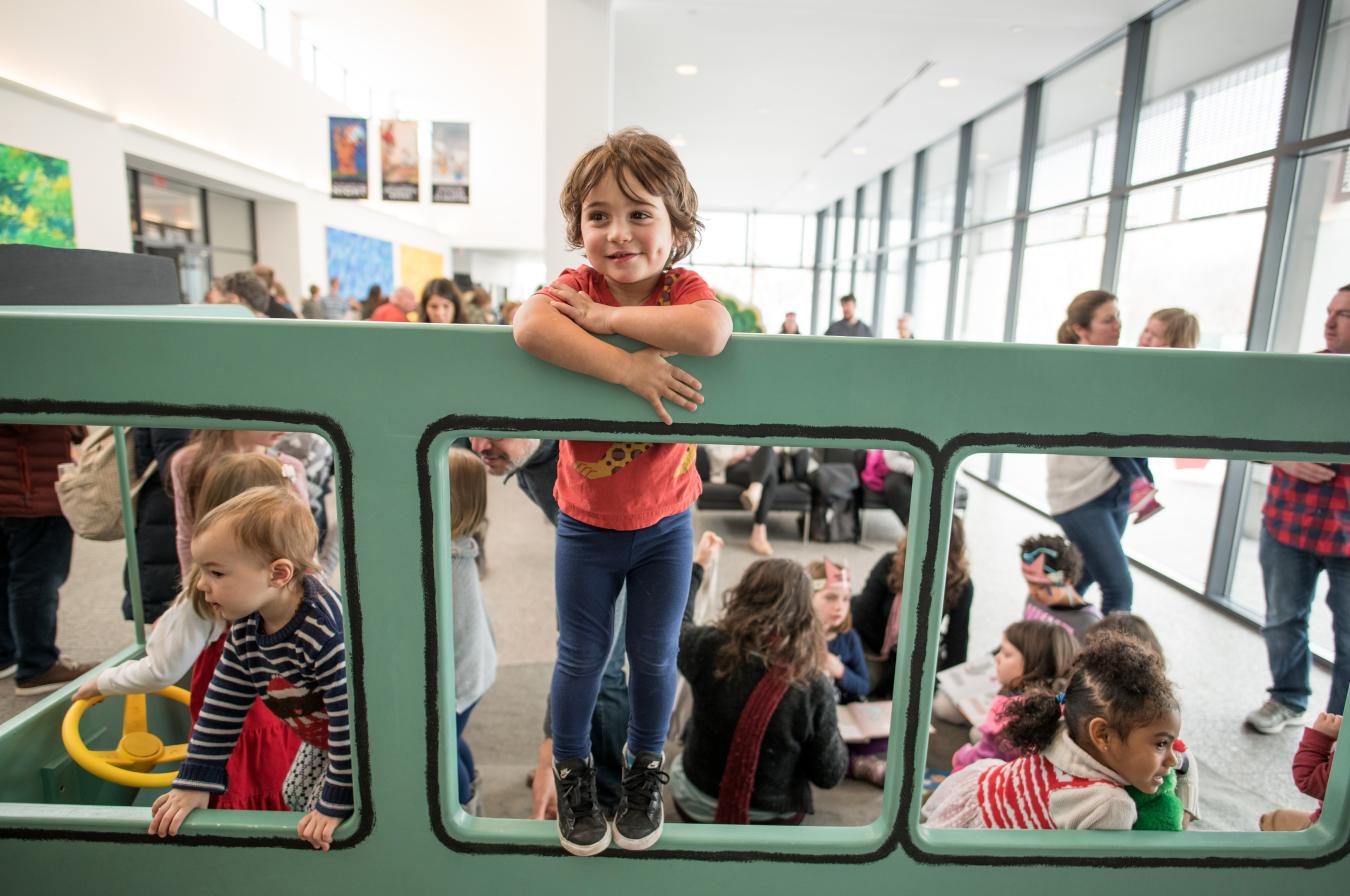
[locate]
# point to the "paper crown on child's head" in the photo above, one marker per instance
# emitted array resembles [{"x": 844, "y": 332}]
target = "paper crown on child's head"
[{"x": 835, "y": 577}]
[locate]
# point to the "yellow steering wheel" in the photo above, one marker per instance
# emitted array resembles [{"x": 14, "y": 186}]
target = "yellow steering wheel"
[{"x": 137, "y": 752}]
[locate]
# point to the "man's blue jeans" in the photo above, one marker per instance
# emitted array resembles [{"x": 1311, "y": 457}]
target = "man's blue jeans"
[
  {"x": 1096, "y": 529},
  {"x": 1290, "y": 577},
  {"x": 34, "y": 562}
]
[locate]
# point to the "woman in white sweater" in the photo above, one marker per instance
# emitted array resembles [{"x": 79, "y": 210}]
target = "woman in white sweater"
[{"x": 1087, "y": 497}]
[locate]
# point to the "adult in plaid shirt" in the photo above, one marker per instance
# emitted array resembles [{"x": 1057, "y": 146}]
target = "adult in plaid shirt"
[{"x": 1306, "y": 530}]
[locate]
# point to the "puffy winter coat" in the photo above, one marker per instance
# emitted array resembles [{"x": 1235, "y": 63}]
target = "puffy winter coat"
[{"x": 29, "y": 458}]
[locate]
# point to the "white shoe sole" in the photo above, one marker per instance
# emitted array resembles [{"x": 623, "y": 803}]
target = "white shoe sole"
[
  {"x": 1276, "y": 729},
  {"x": 8, "y": 671},
  {"x": 637, "y": 845},
  {"x": 578, "y": 849},
  {"x": 39, "y": 690}
]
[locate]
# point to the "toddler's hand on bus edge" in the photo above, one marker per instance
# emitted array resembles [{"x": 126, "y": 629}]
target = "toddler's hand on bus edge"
[
  {"x": 650, "y": 377},
  {"x": 585, "y": 312},
  {"x": 87, "y": 691},
  {"x": 316, "y": 829},
  {"x": 1328, "y": 723},
  {"x": 171, "y": 809}
]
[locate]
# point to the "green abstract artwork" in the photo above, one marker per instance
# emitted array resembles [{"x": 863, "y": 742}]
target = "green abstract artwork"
[{"x": 35, "y": 204}]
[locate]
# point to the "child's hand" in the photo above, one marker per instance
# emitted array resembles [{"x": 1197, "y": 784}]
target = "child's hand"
[
  {"x": 834, "y": 666},
  {"x": 171, "y": 809},
  {"x": 709, "y": 546},
  {"x": 543, "y": 789},
  {"x": 584, "y": 311},
  {"x": 87, "y": 691},
  {"x": 650, "y": 377},
  {"x": 316, "y": 829},
  {"x": 1328, "y": 723}
]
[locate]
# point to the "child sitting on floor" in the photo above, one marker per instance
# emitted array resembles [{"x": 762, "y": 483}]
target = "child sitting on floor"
[
  {"x": 1031, "y": 655},
  {"x": 764, "y": 725},
  {"x": 1112, "y": 726},
  {"x": 1051, "y": 565}
]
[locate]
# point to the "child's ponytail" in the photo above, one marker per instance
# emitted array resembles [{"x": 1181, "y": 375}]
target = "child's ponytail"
[{"x": 1031, "y": 721}]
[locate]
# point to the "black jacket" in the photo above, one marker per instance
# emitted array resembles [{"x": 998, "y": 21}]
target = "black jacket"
[
  {"x": 156, "y": 550},
  {"x": 537, "y": 476},
  {"x": 801, "y": 745},
  {"x": 872, "y": 608}
]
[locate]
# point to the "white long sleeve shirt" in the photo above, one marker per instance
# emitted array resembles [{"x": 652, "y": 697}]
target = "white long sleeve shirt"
[{"x": 178, "y": 638}]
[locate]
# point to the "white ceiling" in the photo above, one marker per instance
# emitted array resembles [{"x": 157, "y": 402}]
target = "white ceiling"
[{"x": 772, "y": 118}]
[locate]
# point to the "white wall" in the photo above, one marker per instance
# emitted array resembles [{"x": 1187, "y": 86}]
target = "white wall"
[
  {"x": 159, "y": 81},
  {"x": 579, "y": 106}
]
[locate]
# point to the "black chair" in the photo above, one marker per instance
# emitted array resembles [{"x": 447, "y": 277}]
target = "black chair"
[
  {"x": 865, "y": 498},
  {"x": 792, "y": 496}
]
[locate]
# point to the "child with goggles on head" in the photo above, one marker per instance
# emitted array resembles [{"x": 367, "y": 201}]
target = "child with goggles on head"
[{"x": 1051, "y": 565}]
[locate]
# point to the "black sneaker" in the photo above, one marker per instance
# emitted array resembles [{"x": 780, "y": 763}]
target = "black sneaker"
[
  {"x": 582, "y": 828},
  {"x": 640, "y": 818}
]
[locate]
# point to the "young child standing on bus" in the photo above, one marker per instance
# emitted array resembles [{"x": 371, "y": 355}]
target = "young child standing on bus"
[
  {"x": 255, "y": 554},
  {"x": 623, "y": 506},
  {"x": 1111, "y": 727},
  {"x": 191, "y": 635}
]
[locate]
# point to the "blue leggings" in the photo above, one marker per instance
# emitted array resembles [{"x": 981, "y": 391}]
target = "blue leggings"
[{"x": 590, "y": 567}]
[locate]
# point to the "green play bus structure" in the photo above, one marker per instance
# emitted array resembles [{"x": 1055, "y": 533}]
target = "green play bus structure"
[{"x": 391, "y": 397}]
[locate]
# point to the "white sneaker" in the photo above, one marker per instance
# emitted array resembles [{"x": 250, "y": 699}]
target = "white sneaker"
[{"x": 1274, "y": 716}]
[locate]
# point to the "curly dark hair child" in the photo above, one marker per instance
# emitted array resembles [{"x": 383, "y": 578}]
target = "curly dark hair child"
[{"x": 1115, "y": 678}]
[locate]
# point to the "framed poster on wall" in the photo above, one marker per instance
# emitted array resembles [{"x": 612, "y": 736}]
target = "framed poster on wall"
[
  {"x": 398, "y": 158},
  {"x": 450, "y": 162},
  {"x": 35, "y": 201},
  {"x": 347, "y": 158}
]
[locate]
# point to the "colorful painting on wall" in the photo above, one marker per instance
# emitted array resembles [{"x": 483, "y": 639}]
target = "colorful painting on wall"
[
  {"x": 347, "y": 158},
  {"x": 35, "y": 202},
  {"x": 360, "y": 262},
  {"x": 417, "y": 266},
  {"x": 449, "y": 162},
  {"x": 398, "y": 160}
]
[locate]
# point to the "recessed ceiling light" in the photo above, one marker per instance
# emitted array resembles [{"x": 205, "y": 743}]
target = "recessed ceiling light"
[
  {"x": 678, "y": 140},
  {"x": 860, "y": 150},
  {"x": 949, "y": 81},
  {"x": 684, "y": 68},
  {"x": 1017, "y": 29},
  {"x": 982, "y": 157}
]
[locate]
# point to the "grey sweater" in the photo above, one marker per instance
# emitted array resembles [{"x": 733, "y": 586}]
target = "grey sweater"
[{"x": 475, "y": 647}]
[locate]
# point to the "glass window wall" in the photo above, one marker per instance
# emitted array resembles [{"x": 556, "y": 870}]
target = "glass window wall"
[
  {"x": 937, "y": 206},
  {"x": 1331, "y": 97},
  {"x": 899, "y": 230},
  {"x": 1208, "y": 101},
  {"x": 982, "y": 283},
  {"x": 1076, "y": 140},
  {"x": 996, "y": 147}
]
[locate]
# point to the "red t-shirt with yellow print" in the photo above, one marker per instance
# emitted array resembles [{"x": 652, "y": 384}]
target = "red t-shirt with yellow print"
[{"x": 629, "y": 485}]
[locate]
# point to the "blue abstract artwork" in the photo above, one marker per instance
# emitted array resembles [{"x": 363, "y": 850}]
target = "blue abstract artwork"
[{"x": 360, "y": 262}]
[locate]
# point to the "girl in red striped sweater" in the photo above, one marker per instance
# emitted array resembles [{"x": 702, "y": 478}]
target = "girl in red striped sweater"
[{"x": 1113, "y": 725}]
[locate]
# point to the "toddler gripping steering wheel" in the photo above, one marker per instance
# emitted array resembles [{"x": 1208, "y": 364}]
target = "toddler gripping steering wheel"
[{"x": 137, "y": 752}]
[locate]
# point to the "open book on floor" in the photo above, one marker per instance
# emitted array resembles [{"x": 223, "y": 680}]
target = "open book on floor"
[
  {"x": 972, "y": 686},
  {"x": 862, "y": 722}
]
